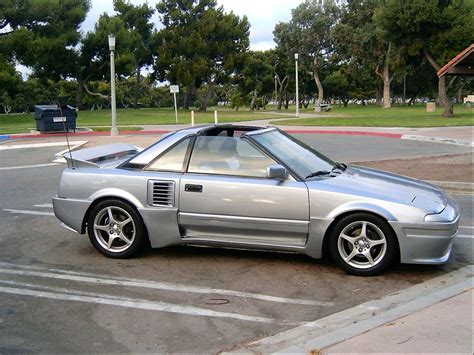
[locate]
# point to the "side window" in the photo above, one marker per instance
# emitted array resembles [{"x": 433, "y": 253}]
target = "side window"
[
  {"x": 173, "y": 159},
  {"x": 228, "y": 156}
]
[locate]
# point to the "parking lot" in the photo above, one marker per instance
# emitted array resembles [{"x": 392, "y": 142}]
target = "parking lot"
[{"x": 59, "y": 294}]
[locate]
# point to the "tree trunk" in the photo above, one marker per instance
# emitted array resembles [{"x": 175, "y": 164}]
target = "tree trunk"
[
  {"x": 281, "y": 86},
  {"x": 279, "y": 101},
  {"x": 459, "y": 93},
  {"x": 317, "y": 80},
  {"x": 378, "y": 96},
  {"x": 410, "y": 102},
  {"x": 442, "y": 96},
  {"x": 253, "y": 103},
  {"x": 80, "y": 95},
  {"x": 385, "y": 76},
  {"x": 204, "y": 94},
  {"x": 305, "y": 102},
  {"x": 202, "y": 103}
]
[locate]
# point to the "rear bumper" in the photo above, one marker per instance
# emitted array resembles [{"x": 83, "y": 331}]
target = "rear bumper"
[
  {"x": 426, "y": 243},
  {"x": 71, "y": 212}
]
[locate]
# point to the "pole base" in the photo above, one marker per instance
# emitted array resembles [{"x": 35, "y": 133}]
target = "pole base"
[{"x": 114, "y": 132}]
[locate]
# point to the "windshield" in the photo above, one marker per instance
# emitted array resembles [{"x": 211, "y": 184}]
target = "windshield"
[{"x": 296, "y": 155}]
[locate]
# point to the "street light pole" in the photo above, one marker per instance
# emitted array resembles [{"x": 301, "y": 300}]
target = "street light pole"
[
  {"x": 114, "y": 131},
  {"x": 297, "y": 91},
  {"x": 276, "y": 89}
]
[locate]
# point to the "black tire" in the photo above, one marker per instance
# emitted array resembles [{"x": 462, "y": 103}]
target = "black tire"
[
  {"x": 121, "y": 238},
  {"x": 363, "y": 254}
]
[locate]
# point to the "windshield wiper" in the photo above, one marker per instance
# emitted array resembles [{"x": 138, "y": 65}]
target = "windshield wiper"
[
  {"x": 338, "y": 166},
  {"x": 318, "y": 173}
]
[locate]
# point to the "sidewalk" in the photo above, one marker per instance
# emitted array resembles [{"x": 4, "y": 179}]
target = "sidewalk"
[
  {"x": 445, "y": 328},
  {"x": 432, "y": 317}
]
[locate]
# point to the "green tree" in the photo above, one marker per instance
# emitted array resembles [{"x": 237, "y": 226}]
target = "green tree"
[
  {"x": 93, "y": 64},
  {"x": 43, "y": 35},
  {"x": 136, "y": 20},
  {"x": 360, "y": 41},
  {"x": 10, "y": 84},
  {"x": 257, "y": 78},
  {"x": 309, "y": 33},
  {"x": 437, "y": 29},
  {"x": 200, "y": 45},
  {"x": 283, "y": 69},
  {"x": 133, "y": 51}
]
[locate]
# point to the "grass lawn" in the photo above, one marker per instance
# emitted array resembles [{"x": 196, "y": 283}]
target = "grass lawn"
[
  {"x": 373, "y": 116},
  {"x": 18, "y": 123},
  {"x": 354, "y": 115}
]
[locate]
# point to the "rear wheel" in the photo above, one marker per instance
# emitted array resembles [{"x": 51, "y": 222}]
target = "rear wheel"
[
  {"x": 116, "y": 229},
  {"x": 362, "y": 244}
]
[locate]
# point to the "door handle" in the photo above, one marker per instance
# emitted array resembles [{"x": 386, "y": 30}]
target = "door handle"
[{"x": 192, "y": 188}]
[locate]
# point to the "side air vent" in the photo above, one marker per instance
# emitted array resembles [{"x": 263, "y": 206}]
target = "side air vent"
[{"x": 161, "y": 193}]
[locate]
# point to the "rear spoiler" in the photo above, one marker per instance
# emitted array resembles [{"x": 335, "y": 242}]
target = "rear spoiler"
[{"x": 96, "y": 157}]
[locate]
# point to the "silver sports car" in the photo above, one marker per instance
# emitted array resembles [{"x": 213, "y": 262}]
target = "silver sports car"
[{"x": 252, "y": 188}]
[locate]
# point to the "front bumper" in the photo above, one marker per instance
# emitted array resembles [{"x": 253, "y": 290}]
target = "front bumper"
[
  {"x": 71, "y": 212},
  {"x": 425, "y": 243}
]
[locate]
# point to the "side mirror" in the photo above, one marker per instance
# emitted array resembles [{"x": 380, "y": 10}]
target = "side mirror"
[{"x": 277, "y": 172}]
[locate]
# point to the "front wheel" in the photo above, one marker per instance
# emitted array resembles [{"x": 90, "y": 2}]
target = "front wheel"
[
  {"x": 362, "y": 244},
  {"x": 116, "y": 229}
]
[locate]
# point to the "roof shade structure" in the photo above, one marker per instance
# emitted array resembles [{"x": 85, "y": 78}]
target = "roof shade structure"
[{"x": 462, "y": 64}]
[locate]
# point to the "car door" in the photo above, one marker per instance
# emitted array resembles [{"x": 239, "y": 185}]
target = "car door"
[{"x": 226, "y": 197}]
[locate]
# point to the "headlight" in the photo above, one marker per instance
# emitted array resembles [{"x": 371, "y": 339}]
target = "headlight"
[{"x": 449, "y": 214}]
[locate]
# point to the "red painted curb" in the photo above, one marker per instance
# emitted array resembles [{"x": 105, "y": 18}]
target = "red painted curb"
[{"x": 162, "y": 131}]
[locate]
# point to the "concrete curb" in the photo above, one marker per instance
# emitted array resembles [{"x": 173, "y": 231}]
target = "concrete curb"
[
  {"x": 437, "y": 140},
  {"x": 350, "y": 133},
  {"x": 360, "y": 319}
]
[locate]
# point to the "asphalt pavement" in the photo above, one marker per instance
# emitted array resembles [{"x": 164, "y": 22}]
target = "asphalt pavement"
[{"x": 60, "y": 295}]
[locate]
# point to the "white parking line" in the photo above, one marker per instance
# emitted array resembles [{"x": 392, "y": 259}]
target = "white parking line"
[
  {"x": 105, "y": 299},
  {"x": 40, "y": 145},
  {"x": 109, "y": 280},
  {"x": 28, "y": 166},
  {"x": 45, "y": 205},
  {"x": 469, "y": 227},
  {"x": 36, "y": 213}
]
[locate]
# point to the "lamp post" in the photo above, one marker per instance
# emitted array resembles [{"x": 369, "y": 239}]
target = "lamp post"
[
  {"x": 297, "y": 92},
  {"x": 276, "y": 88},
  {"x": 114, "y": 131}
]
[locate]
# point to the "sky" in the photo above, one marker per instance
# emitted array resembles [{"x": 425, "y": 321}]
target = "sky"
[{"x": 263, "y": 15}]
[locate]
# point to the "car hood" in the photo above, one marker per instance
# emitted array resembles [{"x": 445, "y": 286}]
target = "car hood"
[{"x": 372, "y": 183}]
